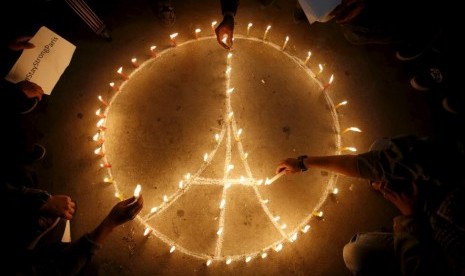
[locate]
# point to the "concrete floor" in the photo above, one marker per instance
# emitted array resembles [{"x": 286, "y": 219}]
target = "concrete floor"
[{"x": 164, "y": 120}]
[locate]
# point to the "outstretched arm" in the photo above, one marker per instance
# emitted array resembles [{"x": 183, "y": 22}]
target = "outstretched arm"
[{"x": 343, "y": 164}]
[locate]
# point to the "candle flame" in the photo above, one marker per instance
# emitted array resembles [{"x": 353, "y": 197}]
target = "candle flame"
[
  {"x": 223, "y": 203},
  {"x": 120, "y": 70},
  {"x": 265, "y": 201},
  {"x": 153, "y": 210},
  {"x": 321, "y": 68},
  {"x": 147, "y": 231},
  {"x": 341, "y": 104},
  {"x": 220, "y": 231},
  {"x": 230, "y": 90},
  {"x": 98, "y": 112},
  {"x": 214, "y": 23},
  {"x": 181, "y": 184},
  {"x": 197, "y": 31},
  {"x": 354, "y": 129},
  {"x": 247, "y": 259},
  {"x": 230, "y": 167},
  {"x": 293, "y": 237},
  {"x": 112, "y": 84},
  {"x": 260, "y": 182},
  {"x": 284, "y": 226},
  {"x": 352, "y": 149},
  {"x": 108, "y": 180},
  {"x": 277, "y": 218},
  {"x": 306, "y": 228},
  {"x": 309, "y": 54},
  {"x": 134, "y": 60},
  {"x": 228, "y": 261},
  {"x": 173, "y": 36},
  {"x": 239, "y": 132},
  {"x": 229, "y": 55},
  {"x": 279, "y": 247},
  {"x": 100, "y": 122},
  {"x": 264, "y": 255},
  {"x": 335, "y": 191},
  {"x": 230, "y": 115},
  {"x": 137, "y": 191},
  {"x": 152, "y": 48},
  {"x": 165, "y": 198},
  {"x": 209, "y": 262},
  {"x": 172, "y": 249},
  {"x": 242, "y": 179},
  {"x": 245, "y": 155},
  {"x": 331, "y": 79},
  {"x": 267, "y": 181},
  {"x": 287, "y": 39},
  {"x": 217, "y": 137},
  {"x": 98, "y": 150},
  {"x": 318, "y": 214},
  {"x": 249, "y": 25},
  {"x": 205, "y": 157},
  {"x": 268, "y": 28}
]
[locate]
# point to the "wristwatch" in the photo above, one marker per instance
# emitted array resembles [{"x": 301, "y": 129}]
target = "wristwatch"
[{"x": 301, "y": 165}]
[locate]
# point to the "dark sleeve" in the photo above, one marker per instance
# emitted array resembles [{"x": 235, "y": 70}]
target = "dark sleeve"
[
  {"x": 13, "y": 99},
  {"x": 229, "y": 6},
  {"x": 25, "y": 201}
]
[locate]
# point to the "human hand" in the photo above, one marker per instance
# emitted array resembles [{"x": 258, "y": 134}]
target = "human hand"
[
  {"x": 30, "y": 89},
  {"x": 406, "y": 203},
  {"x": 21, "y": 43},
  {"x": 290, "y": 165},
  {"x": 225, "y": 29},
  {"x": 124, "y": 211},
  {"x": 347, "y": 10},
  {"x": 59, "y": 206}
]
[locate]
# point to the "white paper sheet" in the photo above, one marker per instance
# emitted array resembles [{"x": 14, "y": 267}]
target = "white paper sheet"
[{"x": 45, "y": 63}]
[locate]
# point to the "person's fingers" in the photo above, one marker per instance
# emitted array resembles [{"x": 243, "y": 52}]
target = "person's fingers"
[
  {"x": 230, "y": 39},
  {"x": 281, "y": 167},
  {"x": 23, "y": 38},
  {"x": 27, "y": 45},
  {"x": 128, "y": 201},
  {"x": 67, "y": 216}
]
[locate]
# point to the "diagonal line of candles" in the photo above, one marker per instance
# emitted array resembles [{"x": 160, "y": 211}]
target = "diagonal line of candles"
[{"x": 231, "y": 133}]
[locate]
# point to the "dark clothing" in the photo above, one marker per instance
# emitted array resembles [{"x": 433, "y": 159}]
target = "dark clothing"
[
  {"x": 229, "y": 6},
  {"x": 433, "y": 240},
  {"x": 20, "y": 210}
]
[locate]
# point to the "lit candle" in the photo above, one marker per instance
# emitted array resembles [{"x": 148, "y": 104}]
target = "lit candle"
[
  {"x": 99, "y": 151},
  {"x": 229, "y": 58},
  {"x": 293, "y": 238},
  {"x": 217, "y": 137},
  {"x": 101, "y": 124},
  {"x": 329, "y": 82},
  {"x": 181, "y": 184},
  {"x": 224, "y": 39},
  {"x": 196, "y": 32},
  {"x": 228, "y": 261},
  {"x": 265, "y": 201},
  {"x": 134, "y": 62},
  {"x": 264, "y": 255},
  {"x": 172, "y": 249},
  {"x": 239, "y": 133},
  {"x": 230, "y": 115},
  {"x": 222, "y": 203},
  {"x": 98, "y": 137},
  {"x": 352, "y": 149},
  {"x": 173, "y": 39},
  {"x": 266, "y": 32},
  {"x": 220, "y": 231},
  {"x": 278, "y": 247},
  {"x": 153, "y": 50},
  {"x": 306, "y": 228},
  {"x": 137, "y": 191},
  {"x": 113, "y": 86},
  {"x": 269, "y": 181},
  {"x": 335, "y": 191},
  {"x": 285, "y": 42},
  {"x": 277, "y": 218},
  {"x": 245, "y": 155},
  {"x": 228, "y": 71},
  {"x": 208, "y": 263},
  {"x": 120, "y": 72},
  {"x": 165, "y": 198},
  {"x": 229, "y": 168},
  {"x": 248, "y": 28},
  {"x": 230, "y": 90},
  {"x": 105, "y": 165},
  {"x": 213, "y": 26},
  {"x": 205, "y": 157},
  {"x": 260, "y": 182},
  {"x": 284, "y": 226},
  {"x": 308, "y": 57},
  {"x": 102, "y": 101},
  {"x": 108, "y": 180},
  {"x": 340, "y": 104},
  {"x": 100, "y": 113},
  {"x": 354, "y": 129},
  {"x": 147, "y": 231},
  {"x": 118, "y": 196},
  {"x": 187, "y": 176},
  {"x": 320, "y": 66},
  {"x": 242, "y": 179},
  {"x": 318, "y": 214},
  {"x": 153, "y": 210},
  {"x": 248, "y": 259}
]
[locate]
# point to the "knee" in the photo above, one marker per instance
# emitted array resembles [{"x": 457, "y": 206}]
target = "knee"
[{"x": 355, "y": 256}]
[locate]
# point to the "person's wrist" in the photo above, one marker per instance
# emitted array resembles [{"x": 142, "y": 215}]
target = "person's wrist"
[
  {"x": 228, "y": 14},
  {"x": 301, "y": 164}
]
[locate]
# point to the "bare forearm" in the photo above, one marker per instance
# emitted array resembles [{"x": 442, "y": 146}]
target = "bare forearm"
[
  {"x": 343, "y": 164},
  {"x": 100, "y": 234}
]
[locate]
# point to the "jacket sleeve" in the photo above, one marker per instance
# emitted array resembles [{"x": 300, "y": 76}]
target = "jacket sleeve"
[{"x": 229, "y": 6}]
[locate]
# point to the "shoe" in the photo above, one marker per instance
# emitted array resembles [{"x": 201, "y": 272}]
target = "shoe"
[
  {"x": 166, "y": 15},
  {"x": 37, "y": 153},
  {"x": 449, "y": 106},
  {"x": 409, "y": 52},
  {"x": 298, "y": 15},
  {"x": 29, "y": 105},
  {"x": 428, "y": 80}
]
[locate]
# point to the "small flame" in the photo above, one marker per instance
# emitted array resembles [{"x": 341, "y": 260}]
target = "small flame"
[{"x": 137, "y": 191}]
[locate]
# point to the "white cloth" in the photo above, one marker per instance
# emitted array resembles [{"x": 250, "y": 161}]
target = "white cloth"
[{"x": 318, "y": 10}]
